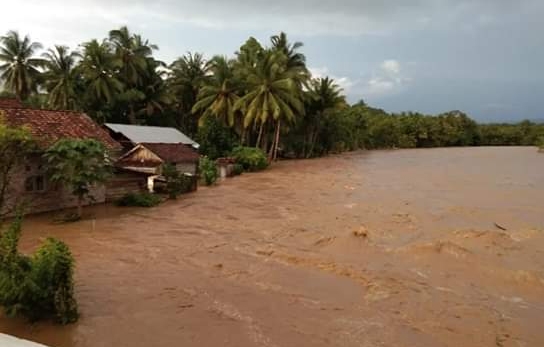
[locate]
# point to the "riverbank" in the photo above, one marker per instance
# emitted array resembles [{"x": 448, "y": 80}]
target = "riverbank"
[{"x": 391, "y": 248}]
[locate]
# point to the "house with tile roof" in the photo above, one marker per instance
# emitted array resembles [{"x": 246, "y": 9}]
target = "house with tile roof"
[{"x": 30, "y": 183}]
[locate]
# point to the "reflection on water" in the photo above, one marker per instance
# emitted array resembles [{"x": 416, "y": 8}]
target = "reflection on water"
[{"x": 381, "y": 248}]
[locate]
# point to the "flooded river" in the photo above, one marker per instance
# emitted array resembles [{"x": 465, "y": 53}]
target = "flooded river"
[{"x": 380, "y": 248}]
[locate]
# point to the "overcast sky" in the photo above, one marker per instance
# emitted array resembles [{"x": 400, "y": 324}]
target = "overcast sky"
[{"x": 485, "y": 57}]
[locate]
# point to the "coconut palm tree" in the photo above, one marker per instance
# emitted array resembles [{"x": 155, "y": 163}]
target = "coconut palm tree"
[
  {"x": 131, "y": 52},
  {"x": 132, "y": 56},
  {"x": 100, "y": 72},
  {"x": 296, "y": 61},
  {"x": 157, "y": 95},
  {"x": 217, "y": 98},
  {"x": 322, "y": 98},
  {"x": 19, "y": 68},
  {"x": 273, "y": 95},
  {"x": 60, "y": 77},
  {"x": 188, "y": 74}
]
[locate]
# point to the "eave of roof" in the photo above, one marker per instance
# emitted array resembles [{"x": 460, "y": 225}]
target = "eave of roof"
[{"x": 48, "y": 126}]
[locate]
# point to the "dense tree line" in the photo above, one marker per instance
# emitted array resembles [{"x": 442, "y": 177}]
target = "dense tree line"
[
  {"x": 363, "y": 127},
  {"x": 264, "y": 96}
]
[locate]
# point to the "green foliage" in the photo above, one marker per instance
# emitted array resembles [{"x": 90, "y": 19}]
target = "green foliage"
[
  {"x": 40, "y": 286},
  {"x": 238, "y": 169},
  {"x": 19, "y": 68},
  {"x": 176, "y": 182},
  {"x": 61, "y": 78},
  {"x": 312, "y": 134},
  {"x": 143, "y": 199},
  {"x": 208, "y": 170},
  {"x": 264, "y": 96},
  {"x": 524, "y": 133},
  {"x": 189, "y": 74},
  {"x": 218, "y": 97},
  {"x": 78, "y": 165},
  {"x": 250, "y": 158},
  {"x": 216, "y": 139},
  {"x": 15, "y": 145}
]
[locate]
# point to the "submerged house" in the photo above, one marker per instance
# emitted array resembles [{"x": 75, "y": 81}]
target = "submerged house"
[
  {"x": 30, "y": 183},
  {"x": 148, "y": 148}
]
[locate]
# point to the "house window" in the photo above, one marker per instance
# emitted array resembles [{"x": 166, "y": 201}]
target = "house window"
[{"x": 35, "y": 184}]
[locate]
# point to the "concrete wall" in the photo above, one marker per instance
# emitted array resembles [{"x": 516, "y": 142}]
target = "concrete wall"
[{"x": 53, "y": 197}]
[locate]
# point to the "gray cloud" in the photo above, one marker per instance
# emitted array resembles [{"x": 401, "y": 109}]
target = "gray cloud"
[{"x": 448, "y": 54}]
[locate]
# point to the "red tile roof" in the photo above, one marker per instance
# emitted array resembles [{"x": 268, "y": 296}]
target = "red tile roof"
[
  {"x": 48, "y": 127},
  {"x": 173, "y": 152},
  {"x": 10, "y": 103}
]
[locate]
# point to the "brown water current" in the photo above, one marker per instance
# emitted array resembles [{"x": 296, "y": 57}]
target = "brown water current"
[{"x": 380, "y": 248}]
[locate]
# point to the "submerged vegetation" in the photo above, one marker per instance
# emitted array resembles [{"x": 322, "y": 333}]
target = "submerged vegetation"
[
  {"x": 208, "y": 170},
  {"x": 250, "y": 158},
  {"x": 143, "y": 199},
  {"x": 263, "y": 96},
  {"x": 177, "y": 182},
  {"x": 40, "y": 286}
]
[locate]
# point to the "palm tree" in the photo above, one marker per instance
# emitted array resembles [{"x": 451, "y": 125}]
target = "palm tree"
[
  {"x": 60, "y": 77},
  {"x": 157, "y": 95},
  {"x": 100, "y": 72},
  {"x": 131, "y": 52},
  {"x": 217, "y": 98},
  {"x": 188, "y": 74},
  {"x": 296, "y": 61},
  {"x": 132, "y": 56},
  {"x": 19, "y": 68},
  {"x": 323, "y": 97},
  {"x": 273, "y": 95}
]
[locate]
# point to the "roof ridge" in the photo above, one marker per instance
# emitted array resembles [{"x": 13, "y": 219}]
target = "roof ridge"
[
  {"x": 146, "y": 126},
  {"x": 42, "y": 109}
]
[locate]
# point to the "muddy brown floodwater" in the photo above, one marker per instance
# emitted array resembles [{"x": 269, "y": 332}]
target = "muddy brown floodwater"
[{"x": 381, "y": 248}]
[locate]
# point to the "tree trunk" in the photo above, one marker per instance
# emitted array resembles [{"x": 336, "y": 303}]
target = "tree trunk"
[
  {"x": 258, "y": 143},
  {"x": 243, "y": 136},
  {"x": 271, "y": 149},
  {"x": 313, "y": 140},
  {"x": 132, "y": 115},
  {"x": 277, "y": 140}
]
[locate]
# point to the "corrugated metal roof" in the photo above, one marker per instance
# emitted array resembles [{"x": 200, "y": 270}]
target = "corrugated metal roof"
[{"x": 149, "y": 134}]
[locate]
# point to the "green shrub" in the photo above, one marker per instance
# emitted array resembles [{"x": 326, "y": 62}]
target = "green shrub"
[
  {"x": 208, "y": 170},
  {"x": 540, "y": 143},
  {"x": 40, "y": 286},
  {"x": 238, "y": 169},
  {"x": 176, "y": 182},
  {"x": 251, "y": 159},
  {"x": 143, "y": 199},
  {"x": 216, "y": 139},
  {"x": 52, "y": 270}
]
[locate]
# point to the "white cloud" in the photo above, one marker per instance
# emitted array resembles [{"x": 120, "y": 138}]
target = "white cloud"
[
  {"x": 379, "y": 85},
  {"x": 344, "y": 82},
  {"x": 388, "y": 78},
  {"x": 390, "y": 66}
]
